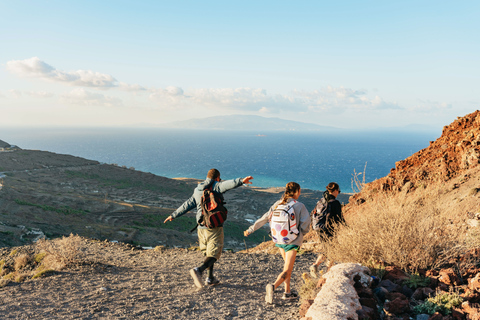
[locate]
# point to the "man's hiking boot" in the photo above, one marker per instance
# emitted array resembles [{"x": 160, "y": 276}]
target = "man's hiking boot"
[
  {"x": 314, "y": 271},
  {"x": 211, "y": 281},
  {"x": 289, "y": 296},
  {"x": 269, "y": 293},
  {"x": 197, "y": 277}
]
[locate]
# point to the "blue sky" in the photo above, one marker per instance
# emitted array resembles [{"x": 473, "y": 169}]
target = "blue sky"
[{"x": 348, "y": 64}]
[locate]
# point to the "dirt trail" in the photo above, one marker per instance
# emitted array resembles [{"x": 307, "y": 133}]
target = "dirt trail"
[{"x": 116, "y": 281}]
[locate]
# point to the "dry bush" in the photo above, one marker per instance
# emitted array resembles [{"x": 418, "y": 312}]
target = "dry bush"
[
  {"x": 61, "y": 252},
  {"x": 21, "y": 261},
  {"x": 412, "y": 234}
]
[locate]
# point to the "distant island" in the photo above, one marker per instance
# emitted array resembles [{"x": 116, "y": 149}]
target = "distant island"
[{"x": 246, "y": 123}]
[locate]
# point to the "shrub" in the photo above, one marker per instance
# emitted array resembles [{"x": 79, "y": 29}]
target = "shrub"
[
  {"x": 415, "y": 281},
  {"x": 443, "y": 302},
  {"x": 309, "y": 289},
  {"x": 42, "y": 273},
  {"x": 60, "y": 253},
  {"x": 21, "y": 261},
  {"x": 408, "y": 234},
  {"x": 39, "y": 257}
]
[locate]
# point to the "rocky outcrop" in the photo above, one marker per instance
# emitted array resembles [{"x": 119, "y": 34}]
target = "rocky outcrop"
[
  {"x": 338, "y": 298},
  {"x": 457, "y": 150}
]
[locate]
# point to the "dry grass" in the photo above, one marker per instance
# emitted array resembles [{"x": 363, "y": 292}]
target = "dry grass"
[
  {"x": 418, "y": 232},
  {"x": 60, "y": 253},
  {"x": 51, "y": 256},
  {"x": 21, "y": 261}
]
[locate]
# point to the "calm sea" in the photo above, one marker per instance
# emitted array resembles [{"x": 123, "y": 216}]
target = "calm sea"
[{"x": 272, "y": 158}]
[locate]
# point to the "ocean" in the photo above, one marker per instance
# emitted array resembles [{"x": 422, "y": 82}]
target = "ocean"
[{"x": 313, "y": 159}]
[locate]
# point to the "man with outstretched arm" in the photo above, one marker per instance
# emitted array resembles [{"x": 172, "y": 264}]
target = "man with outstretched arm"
[{"x": 209, "y": 239}]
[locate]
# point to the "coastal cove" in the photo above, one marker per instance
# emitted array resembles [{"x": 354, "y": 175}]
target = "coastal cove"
[{"x": 313, "y": 159}]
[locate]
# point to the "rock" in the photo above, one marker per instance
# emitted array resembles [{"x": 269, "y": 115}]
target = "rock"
[
  {"x": 448, "y": 277},
  {"x": 436, "y": 316},
  {"x": 368, "y": 302},
  {"x": 380, "y": 293},
  {"x": 395, "y": 275},
  {"x": 458, "y": 314},
  {"x": 422, "y": 293},
  {"x": 394, "y": 295},
  {"x": 338, "y": 300},
  {"x": 305, "y": 306},
  {"x": 473, "y": 312},
  {"x": 397, "y": 306},
  {"x": 389, "y": 285},
  {"x": 368, "y": 313},
  {"x": 474, "y": 283},
  {"x": 422, "y": 317},
  {"x": 407, "y": 291}
]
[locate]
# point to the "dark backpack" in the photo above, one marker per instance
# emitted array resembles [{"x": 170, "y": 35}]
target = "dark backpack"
[
  {"x": 321, "y": 216},
  {"x": 214, "y": 213}
]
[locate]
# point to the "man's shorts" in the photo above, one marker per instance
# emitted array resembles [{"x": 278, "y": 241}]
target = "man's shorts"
[{"x": 211, "y": 241}]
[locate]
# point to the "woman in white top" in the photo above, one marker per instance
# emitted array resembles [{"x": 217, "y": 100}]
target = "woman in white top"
[{"x": 288, "y": 251}]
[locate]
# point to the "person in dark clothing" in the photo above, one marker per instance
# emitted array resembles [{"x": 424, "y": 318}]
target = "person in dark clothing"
[
  {"x": 336, "y": 217},
  {"x": 209, "y": 239}
]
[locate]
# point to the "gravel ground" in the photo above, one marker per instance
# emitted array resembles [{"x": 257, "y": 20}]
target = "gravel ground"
[{"x": 116, "y": 281}]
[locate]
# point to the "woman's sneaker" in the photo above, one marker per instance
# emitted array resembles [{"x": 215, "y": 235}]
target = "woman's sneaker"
[
  {"x": 269, "y": 293},
  {"x": 211, "y": 281},
  {"x": 289, "y": 296}
]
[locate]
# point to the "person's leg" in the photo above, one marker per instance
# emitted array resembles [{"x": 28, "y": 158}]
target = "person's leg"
[
  {"x": 213, "y": 252},
  {"x": 286, "y": 274},
  {"x": 207, "y": 264},
  {"x": 196, "y": 273}
]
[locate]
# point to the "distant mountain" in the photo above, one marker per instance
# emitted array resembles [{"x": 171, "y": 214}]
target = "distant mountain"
[
  {"x": 246, "y": 123},
  {"x": 3, "y": 144}
]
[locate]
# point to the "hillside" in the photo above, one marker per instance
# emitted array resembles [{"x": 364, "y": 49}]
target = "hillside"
[
  {"x": 48, "y": 194},
  {"x": 450, "y": 156}
]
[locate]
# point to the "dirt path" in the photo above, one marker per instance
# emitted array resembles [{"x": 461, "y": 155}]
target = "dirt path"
[{"x": 117, "y": 281}]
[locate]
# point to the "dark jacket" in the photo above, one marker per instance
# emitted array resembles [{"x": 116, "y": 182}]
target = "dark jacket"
[
  {"x": 335, "y": 209},
  {"x": 196, "y": 199}
]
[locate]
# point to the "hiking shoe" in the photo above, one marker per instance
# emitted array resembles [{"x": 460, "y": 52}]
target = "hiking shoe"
[
  {"x": 289, "y": 296},
  {"x": 211, "y": 281},
  {"x": 314, "y": 271},
  {"x": 269, "y": 296},
  {"x": 197, "y": 277}
]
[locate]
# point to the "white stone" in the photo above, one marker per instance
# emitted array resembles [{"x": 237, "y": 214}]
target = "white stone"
[{"x": 338, "y": 299}]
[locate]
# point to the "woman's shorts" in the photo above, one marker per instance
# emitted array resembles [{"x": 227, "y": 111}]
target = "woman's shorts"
[{"x": 287, "y": 247}]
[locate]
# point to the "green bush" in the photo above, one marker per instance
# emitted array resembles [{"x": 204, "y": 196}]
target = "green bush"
[
  {"x": 443, "y": 302},
  {"x": 415, "y": 281}
]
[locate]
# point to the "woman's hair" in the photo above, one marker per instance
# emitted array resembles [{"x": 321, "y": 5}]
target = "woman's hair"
[
  {"x": 332, "y": 186},
  {"x": 290, "y": 190}
]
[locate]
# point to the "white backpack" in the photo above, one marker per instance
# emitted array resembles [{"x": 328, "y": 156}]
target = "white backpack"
[{"x": 283, "y": 225}]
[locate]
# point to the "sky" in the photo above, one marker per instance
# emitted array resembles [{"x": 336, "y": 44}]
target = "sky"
[{"x": 348, "y": 64}]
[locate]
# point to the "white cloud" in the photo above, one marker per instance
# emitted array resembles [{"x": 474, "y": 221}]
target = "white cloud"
[
  {"x": 257, "y": 100},
  {"x": 131, "y": 87},
  {"x": 40, "y": 94},
  {"x": 169, "y": 97},
  {"x": 35, "y": 68},
  {"x": 15, "y": 93},
  {"x": 83, "y": 97},
  {"x": 341, "y": 98},
  {"x": 429, "y": 106}
]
